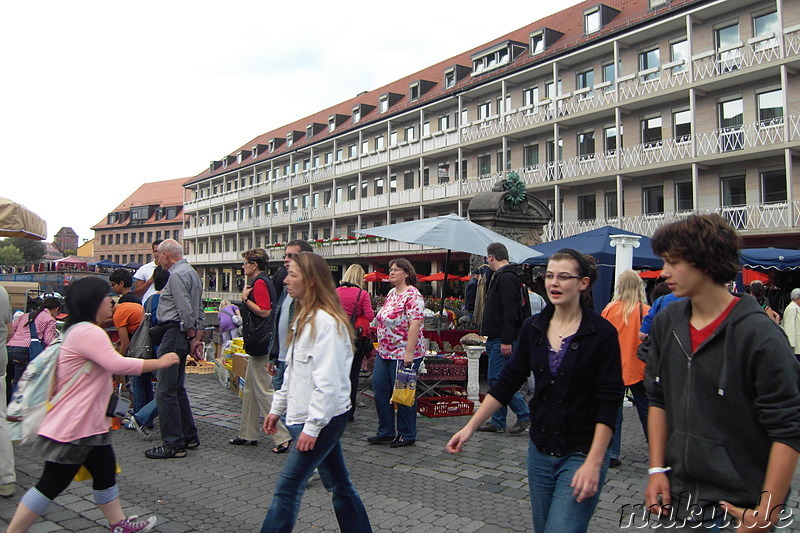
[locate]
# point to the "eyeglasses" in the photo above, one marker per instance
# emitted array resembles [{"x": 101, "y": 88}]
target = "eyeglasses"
[
  {"x": 561, "y": 276},
  {"x": 396, "y": 270},
  {"x": 289, "y": 255}
]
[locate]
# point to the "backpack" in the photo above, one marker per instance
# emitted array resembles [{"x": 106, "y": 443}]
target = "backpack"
[
  {"x": 33, "y": 397},
  {"x": 256, "y": 331},
  {"x": 141, "y": 346}
]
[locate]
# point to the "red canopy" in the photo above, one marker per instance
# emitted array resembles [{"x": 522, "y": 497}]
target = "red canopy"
[
  {"x": 439, "y": 276},
  {"x": 466, "y": 278},
  {"x": 376, "y": 276},
  {"x": 749, "y": 276},
  {"x": 650, "y": 274}
]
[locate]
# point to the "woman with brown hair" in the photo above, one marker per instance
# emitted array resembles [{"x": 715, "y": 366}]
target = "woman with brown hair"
[{"x": 399, "y": 342}]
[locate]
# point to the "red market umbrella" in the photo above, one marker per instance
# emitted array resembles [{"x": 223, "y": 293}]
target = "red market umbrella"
[
  {"x": 650, "y": 274},
  {"x": 439, "y": 276},
  {"x": 466, "y": 278},
  {"x": 376, "y": 276},
  {"x": 749, "y": 276}
]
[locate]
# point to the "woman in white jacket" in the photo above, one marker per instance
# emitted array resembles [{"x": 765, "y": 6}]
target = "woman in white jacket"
[
  {"x": 315, "y": 397},
  {"x": 791, "y": 322}
]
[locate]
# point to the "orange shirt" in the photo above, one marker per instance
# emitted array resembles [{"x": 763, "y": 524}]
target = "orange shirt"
[
  {"x": 129, "y": 315},
  {"x": 632, "y": 367}
]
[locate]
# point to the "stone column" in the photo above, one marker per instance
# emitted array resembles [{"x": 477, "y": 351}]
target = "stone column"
[
  {"x": 473, "y": 383},
  {"x": 624, "y": 245}
]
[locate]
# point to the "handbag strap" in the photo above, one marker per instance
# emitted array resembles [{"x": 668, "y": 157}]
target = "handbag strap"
[
  {"x": 355, "y": 308},
  {"x": 85, "y": 368},
  {"x": 32, "y": 326}
]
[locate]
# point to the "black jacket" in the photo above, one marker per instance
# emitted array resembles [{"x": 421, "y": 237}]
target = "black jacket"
[
  {"x": 726, "y": 403},
  {"x": 587, "y": 388},
  {"x": 507, "y": 305}
]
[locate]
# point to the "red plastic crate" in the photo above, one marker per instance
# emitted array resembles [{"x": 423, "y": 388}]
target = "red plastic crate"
[{"x": 436, "y": 406}]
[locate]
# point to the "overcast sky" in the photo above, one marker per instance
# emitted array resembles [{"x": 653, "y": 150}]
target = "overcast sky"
[{"x": 99, "y": 97}]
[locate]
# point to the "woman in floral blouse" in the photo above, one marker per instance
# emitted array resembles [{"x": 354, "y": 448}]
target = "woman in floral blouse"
[{"x": 399, "y": 342}]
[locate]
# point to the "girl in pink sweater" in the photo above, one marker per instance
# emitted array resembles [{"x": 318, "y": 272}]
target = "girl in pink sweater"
[{"x": 75, "y": 432}]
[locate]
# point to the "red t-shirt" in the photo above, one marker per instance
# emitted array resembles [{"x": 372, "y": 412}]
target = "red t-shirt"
[
  {"x": 699, "y": 335},
  {"x": 261, "y": 295}
]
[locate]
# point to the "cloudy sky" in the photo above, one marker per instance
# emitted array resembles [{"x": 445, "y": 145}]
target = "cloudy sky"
[{"x": 99, "y": 97}]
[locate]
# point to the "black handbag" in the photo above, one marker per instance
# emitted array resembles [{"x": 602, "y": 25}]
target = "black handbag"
[
  {"x": 256, "y": 331},
  {"x": 362, "y": 343},
  {"x": 141, "y": 345}
]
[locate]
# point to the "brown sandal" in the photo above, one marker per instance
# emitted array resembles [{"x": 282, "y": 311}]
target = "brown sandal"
[{"x": 282, "y": 448}]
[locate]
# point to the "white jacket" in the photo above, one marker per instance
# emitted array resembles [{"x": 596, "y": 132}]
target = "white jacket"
[
  {"x": 316, "y": 386},
  {"x": 791, "y": 325}
]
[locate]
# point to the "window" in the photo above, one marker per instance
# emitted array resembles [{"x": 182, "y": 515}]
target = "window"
[
  {"x": 103, "y": 240},
  {"x": 537, "y": 43},
  {"x": 679, "y": 52},
  {"x": 484, "y": 165},
  {"x": 649, "y": 60},
  {"x": 610, "y": 139},
  {"x": 653, "y": 200},
  {"x": 585, "y": 79},
  {"x": 658, "y": 3},
  {"x": 316, "y": 161},
  {"x": 591, "y": 21},
  {"x": 426, "y": 129},
  {"x": 444, "y": 172},
  {"x": 449, "y": 78},
  {"x": 426, "y": 177},
  {"x": 331, "y": 123},
  {"x": 729, "y": 56},
  {"x": 548, "y": 90},
  {"x": 587, "y": 207},
  {"x": 684, "y": 198},
  {"x": 530, "y": 97},
  {"x": 408, "y": 180},
  {"x": 356, "y": 114},
  {"x": 682, "y": 126},
  {"x": 609, "y": 73},
  {"x": 383, "y": 105},
  {"x": 309, "y": 134},
  {"x": 733, "y": 191},
  {"x": 326, "y": 196},
  {"x": 339, "y": 155},
  {"x": 731, "y": 116},
  {"x": 586, "y": 145},
  {"x": 530, "y": 155},
  {"x": 305, "y": 203},
  {"x": 365, "y": 147},
  {"x": 352, "y": 151},
  {"x": 328, "y": 158},
  {"x": 364, "y": 189},
  {"x": 393, "y": 183},
  {"x": 413, "y": 91},
  {"x": 610, "y": 201},
  {"x": 393, "y": 138},
  {"x": 773, "y": 186},
  {"x": 116, "y": 238},
  {"x": 500, "y": 164},
  {"x": 770, "y": 108},
  {"x": 379, "y": 142},
  {"x": 484, "y": 110},
  {"x": 766, "y": 25},
  {"x": 410, "y": 134},
  {"x": 651, "y": 132},
  {"x": 444, "y": 122}
]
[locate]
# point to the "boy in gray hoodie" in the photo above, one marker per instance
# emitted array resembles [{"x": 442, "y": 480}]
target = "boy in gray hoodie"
[{"x": 724, "y": 416}]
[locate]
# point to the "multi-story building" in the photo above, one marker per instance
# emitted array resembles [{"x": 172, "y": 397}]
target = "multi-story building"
[
  {"x": 153, "y": 211},
  {"x": 621, "y": 112},
  {"x": 66, "y": 239}
]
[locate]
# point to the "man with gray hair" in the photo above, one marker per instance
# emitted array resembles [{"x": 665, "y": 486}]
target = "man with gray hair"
[
  {"x": 180, "y": 327},
  {"x": 791, "y": 322}
]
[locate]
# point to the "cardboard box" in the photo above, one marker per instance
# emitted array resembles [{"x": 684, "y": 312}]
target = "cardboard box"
[
  {"x": 240, "y": 365},
  {"x": 222, "y": 373}
]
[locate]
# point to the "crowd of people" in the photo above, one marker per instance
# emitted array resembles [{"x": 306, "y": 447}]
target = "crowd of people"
[{"x": 712, "y": 374}]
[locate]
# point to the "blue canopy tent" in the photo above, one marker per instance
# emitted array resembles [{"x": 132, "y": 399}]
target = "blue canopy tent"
[
  {"x": 597, "y": 243},
  {"x": 105, "y": 263},
  {"x": 770, "y": 258}
]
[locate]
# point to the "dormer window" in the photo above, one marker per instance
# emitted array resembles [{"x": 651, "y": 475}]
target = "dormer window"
[
  {"x": 309, "y": 131},
  {"x": 537, "y": 43},
  {"x": 255, "y": 151},
  {"x": 496, "y": 57},
  {"x": 453, "y": 74},
  {"x": 596, "y": 17},
  {"x": 271, "y": 145},
  {"x": 356, "y": 114},
  {"x": 542, "y": 39},
  {"x": 449, "y": 78},
  {"x": 383, "y": 104},
  {"x": 413, "y": 91},
  {"x": 331, "y": 123},
  {"x": 289, "y": 139}
]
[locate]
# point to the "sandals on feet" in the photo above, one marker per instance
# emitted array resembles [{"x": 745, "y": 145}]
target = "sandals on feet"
[
  {"x": 238, "y": 442},
  {"x": 282, "y": 448}
]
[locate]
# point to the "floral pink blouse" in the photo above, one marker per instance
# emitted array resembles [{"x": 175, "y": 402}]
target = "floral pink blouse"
[{"x": 394, "y": 320}]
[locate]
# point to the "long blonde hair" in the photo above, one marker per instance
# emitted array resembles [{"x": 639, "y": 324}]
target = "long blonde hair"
[
  {"x": 319, "y": 296},
  {"x": 630, "y": 291}
]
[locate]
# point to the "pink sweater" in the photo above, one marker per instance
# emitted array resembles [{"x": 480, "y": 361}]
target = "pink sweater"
[{"x": 82, "y": 411}]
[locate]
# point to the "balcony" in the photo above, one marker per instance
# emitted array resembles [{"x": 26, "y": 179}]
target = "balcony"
[{"x": 749, "y": 218}]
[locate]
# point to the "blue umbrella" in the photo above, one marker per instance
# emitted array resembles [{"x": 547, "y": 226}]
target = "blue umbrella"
[{"x": 105, "y": 263}]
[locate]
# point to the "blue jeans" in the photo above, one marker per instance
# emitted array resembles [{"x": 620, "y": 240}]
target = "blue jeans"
[
  {"x": 293, "y": 479},
  {"x": 639, "y": 399},
  {"x": 277, "y": 379},
  {"x": 147, "y": 414},
  {"x": 383, "y": 376},
  {"x": 18, "y": 356},
  {"x": 497, "y": 362},
  {"x": 174, "y": 412},
  {"x": 553, "y": 507},
  {"x": 142, "y": 389}
]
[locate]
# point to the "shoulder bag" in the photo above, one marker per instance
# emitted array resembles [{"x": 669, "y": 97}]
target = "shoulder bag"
[
  {"x": 363, "y": 341},
  {"x": 256, "y": 331},
  {"x": 141, "y": 346}
]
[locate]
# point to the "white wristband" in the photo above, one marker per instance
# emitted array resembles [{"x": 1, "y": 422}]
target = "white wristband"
[{"x": 658, "y": 470}]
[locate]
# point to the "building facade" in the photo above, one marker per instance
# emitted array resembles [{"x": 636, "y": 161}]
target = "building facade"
[
  {"x": 154, "y": 211},
  {"x": 628, "y": 112}
]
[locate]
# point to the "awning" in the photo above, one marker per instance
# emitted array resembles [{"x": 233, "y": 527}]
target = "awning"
[{"x": 18, "y": 221}]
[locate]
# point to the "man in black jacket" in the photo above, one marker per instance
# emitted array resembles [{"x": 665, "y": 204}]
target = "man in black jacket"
[{"x": 507, "y": 305}]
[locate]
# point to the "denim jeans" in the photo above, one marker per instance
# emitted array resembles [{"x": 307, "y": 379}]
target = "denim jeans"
[
  {"x": 146, "y": 416},
  {"x": 18, "y": 357},
  {"x": 142, "y": 389},
  {"x": 174, "y": 412},
  {"x": 277, "y": 379},
  {"x": 497, "y": 362},
  {"x": 553, "y": 507},
  {"x": 639, "y": 399},
  {"x": 293, "y": 479},
  {"x": 383, "y": 376}
]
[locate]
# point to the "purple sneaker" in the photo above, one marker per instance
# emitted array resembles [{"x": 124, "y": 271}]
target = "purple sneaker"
[{"x": 132, "y": 524}]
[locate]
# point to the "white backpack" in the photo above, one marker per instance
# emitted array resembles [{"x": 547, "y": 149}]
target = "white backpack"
[{"x": 33, "y": 397}]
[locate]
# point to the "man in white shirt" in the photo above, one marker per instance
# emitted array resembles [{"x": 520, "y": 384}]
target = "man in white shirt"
[{"x": 143, "y": 278}]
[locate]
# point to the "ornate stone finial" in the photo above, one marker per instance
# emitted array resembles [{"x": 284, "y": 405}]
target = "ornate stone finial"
[{"x": 515, "y": 190}]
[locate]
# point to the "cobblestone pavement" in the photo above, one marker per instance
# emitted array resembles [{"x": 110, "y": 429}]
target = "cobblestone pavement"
[{"x": 421, "y": 488}]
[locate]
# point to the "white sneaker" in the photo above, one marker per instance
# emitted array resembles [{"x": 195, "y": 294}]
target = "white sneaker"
[
  {"x": 7, "y": 489},
  {"x": 314, "y": 477},
  {"x": 133, "y": 424}
]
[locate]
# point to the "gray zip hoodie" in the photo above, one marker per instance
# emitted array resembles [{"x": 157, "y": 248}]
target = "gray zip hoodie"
[{"x": 726, "y": 404}]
